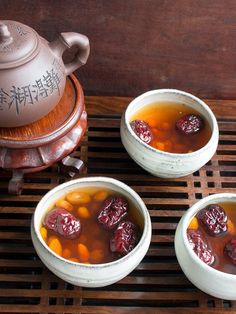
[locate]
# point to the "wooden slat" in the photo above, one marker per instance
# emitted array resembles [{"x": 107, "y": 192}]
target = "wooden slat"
[{"x": 152, "y": 309}]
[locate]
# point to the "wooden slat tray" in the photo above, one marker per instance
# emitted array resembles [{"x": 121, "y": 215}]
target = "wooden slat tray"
[{"x": 157, "y": 285}]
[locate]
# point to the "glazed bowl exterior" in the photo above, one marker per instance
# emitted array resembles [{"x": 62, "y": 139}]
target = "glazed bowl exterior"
[
  {"x": 90, "y": 275},
  {"x": 160, "y": 163},
  {"x": 212, "y": 281}
]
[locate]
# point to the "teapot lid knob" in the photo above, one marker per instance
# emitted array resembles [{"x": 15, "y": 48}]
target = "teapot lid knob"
[
  {"x": 5, "y": 35},
  {"x": 18, "y": 44}
]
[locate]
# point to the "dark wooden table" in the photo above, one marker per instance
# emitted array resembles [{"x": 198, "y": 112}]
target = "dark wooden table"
[{"x": 157, "y": 285}]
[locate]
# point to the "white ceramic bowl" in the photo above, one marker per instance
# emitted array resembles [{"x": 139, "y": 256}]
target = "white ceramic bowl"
[
  {"x": 164, "y": 164},
  {"x": 214, "y": 282},
  {"x": 90, "y": 275}
]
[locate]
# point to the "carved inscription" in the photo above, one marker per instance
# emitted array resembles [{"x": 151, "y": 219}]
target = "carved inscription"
[
  {"x": 21, "y": 96},
  {"x": 21, "y": 31}
]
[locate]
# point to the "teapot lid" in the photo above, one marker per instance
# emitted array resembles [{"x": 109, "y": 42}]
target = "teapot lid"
[{"x": 18, "y": 44}]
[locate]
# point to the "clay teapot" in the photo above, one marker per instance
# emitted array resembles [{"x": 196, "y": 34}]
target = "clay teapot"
[{"x": 32, "y": 72}]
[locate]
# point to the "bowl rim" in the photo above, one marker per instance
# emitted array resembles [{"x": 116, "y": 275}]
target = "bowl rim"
[
  {"x": 134, "y": 195},
  {"x": 190, "y": 213},
  {"x": 214, "y": 131}
]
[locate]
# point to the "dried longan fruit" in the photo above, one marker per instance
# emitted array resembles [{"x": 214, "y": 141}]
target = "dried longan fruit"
[
  {"x": 44, "y": 233},
  {"x": 97, "y": 256},
  {"x": 83, "y": 212},
  {"x": 193, "y": 224},
  {"x": 64, "y": 204},
  {"x": 100, "y": 196},
  {"x": 55, "y": 246},
  {"x": 77, "y": 198},
  {"x": 231, "y": 226},
  {"x": 66, "y": 253},
  {"x": 83, "y": 253}
]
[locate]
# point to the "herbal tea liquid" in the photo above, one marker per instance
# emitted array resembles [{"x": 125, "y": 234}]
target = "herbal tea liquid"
[{"x": 162, "y": 117}]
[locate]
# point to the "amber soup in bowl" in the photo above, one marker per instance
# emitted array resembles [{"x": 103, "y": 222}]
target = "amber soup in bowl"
[
  {"x": 170, "y": 133},
  {"x": 205, "y": 245},
  {"x": 91, "y": 232}
]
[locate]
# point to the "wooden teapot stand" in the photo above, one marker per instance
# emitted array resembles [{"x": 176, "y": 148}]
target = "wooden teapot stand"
[{"x": 51, "y": 139}]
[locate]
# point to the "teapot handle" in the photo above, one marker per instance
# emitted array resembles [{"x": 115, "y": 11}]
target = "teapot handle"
[{"x": 66, "y": 41}]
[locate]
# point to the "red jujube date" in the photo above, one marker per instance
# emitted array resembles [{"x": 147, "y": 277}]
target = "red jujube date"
[
  {"x": 214, "y": 219},
  {"x": 189, "y": 124},
  {"x": 230, "y": 250},
  {"x": 124, "y": 239},
  {"x": 63, "y": 223},
  {"x": 200, "y": 246},
  {"x": 142, "y": 130},
  {"x": 112, "y": 211}
]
